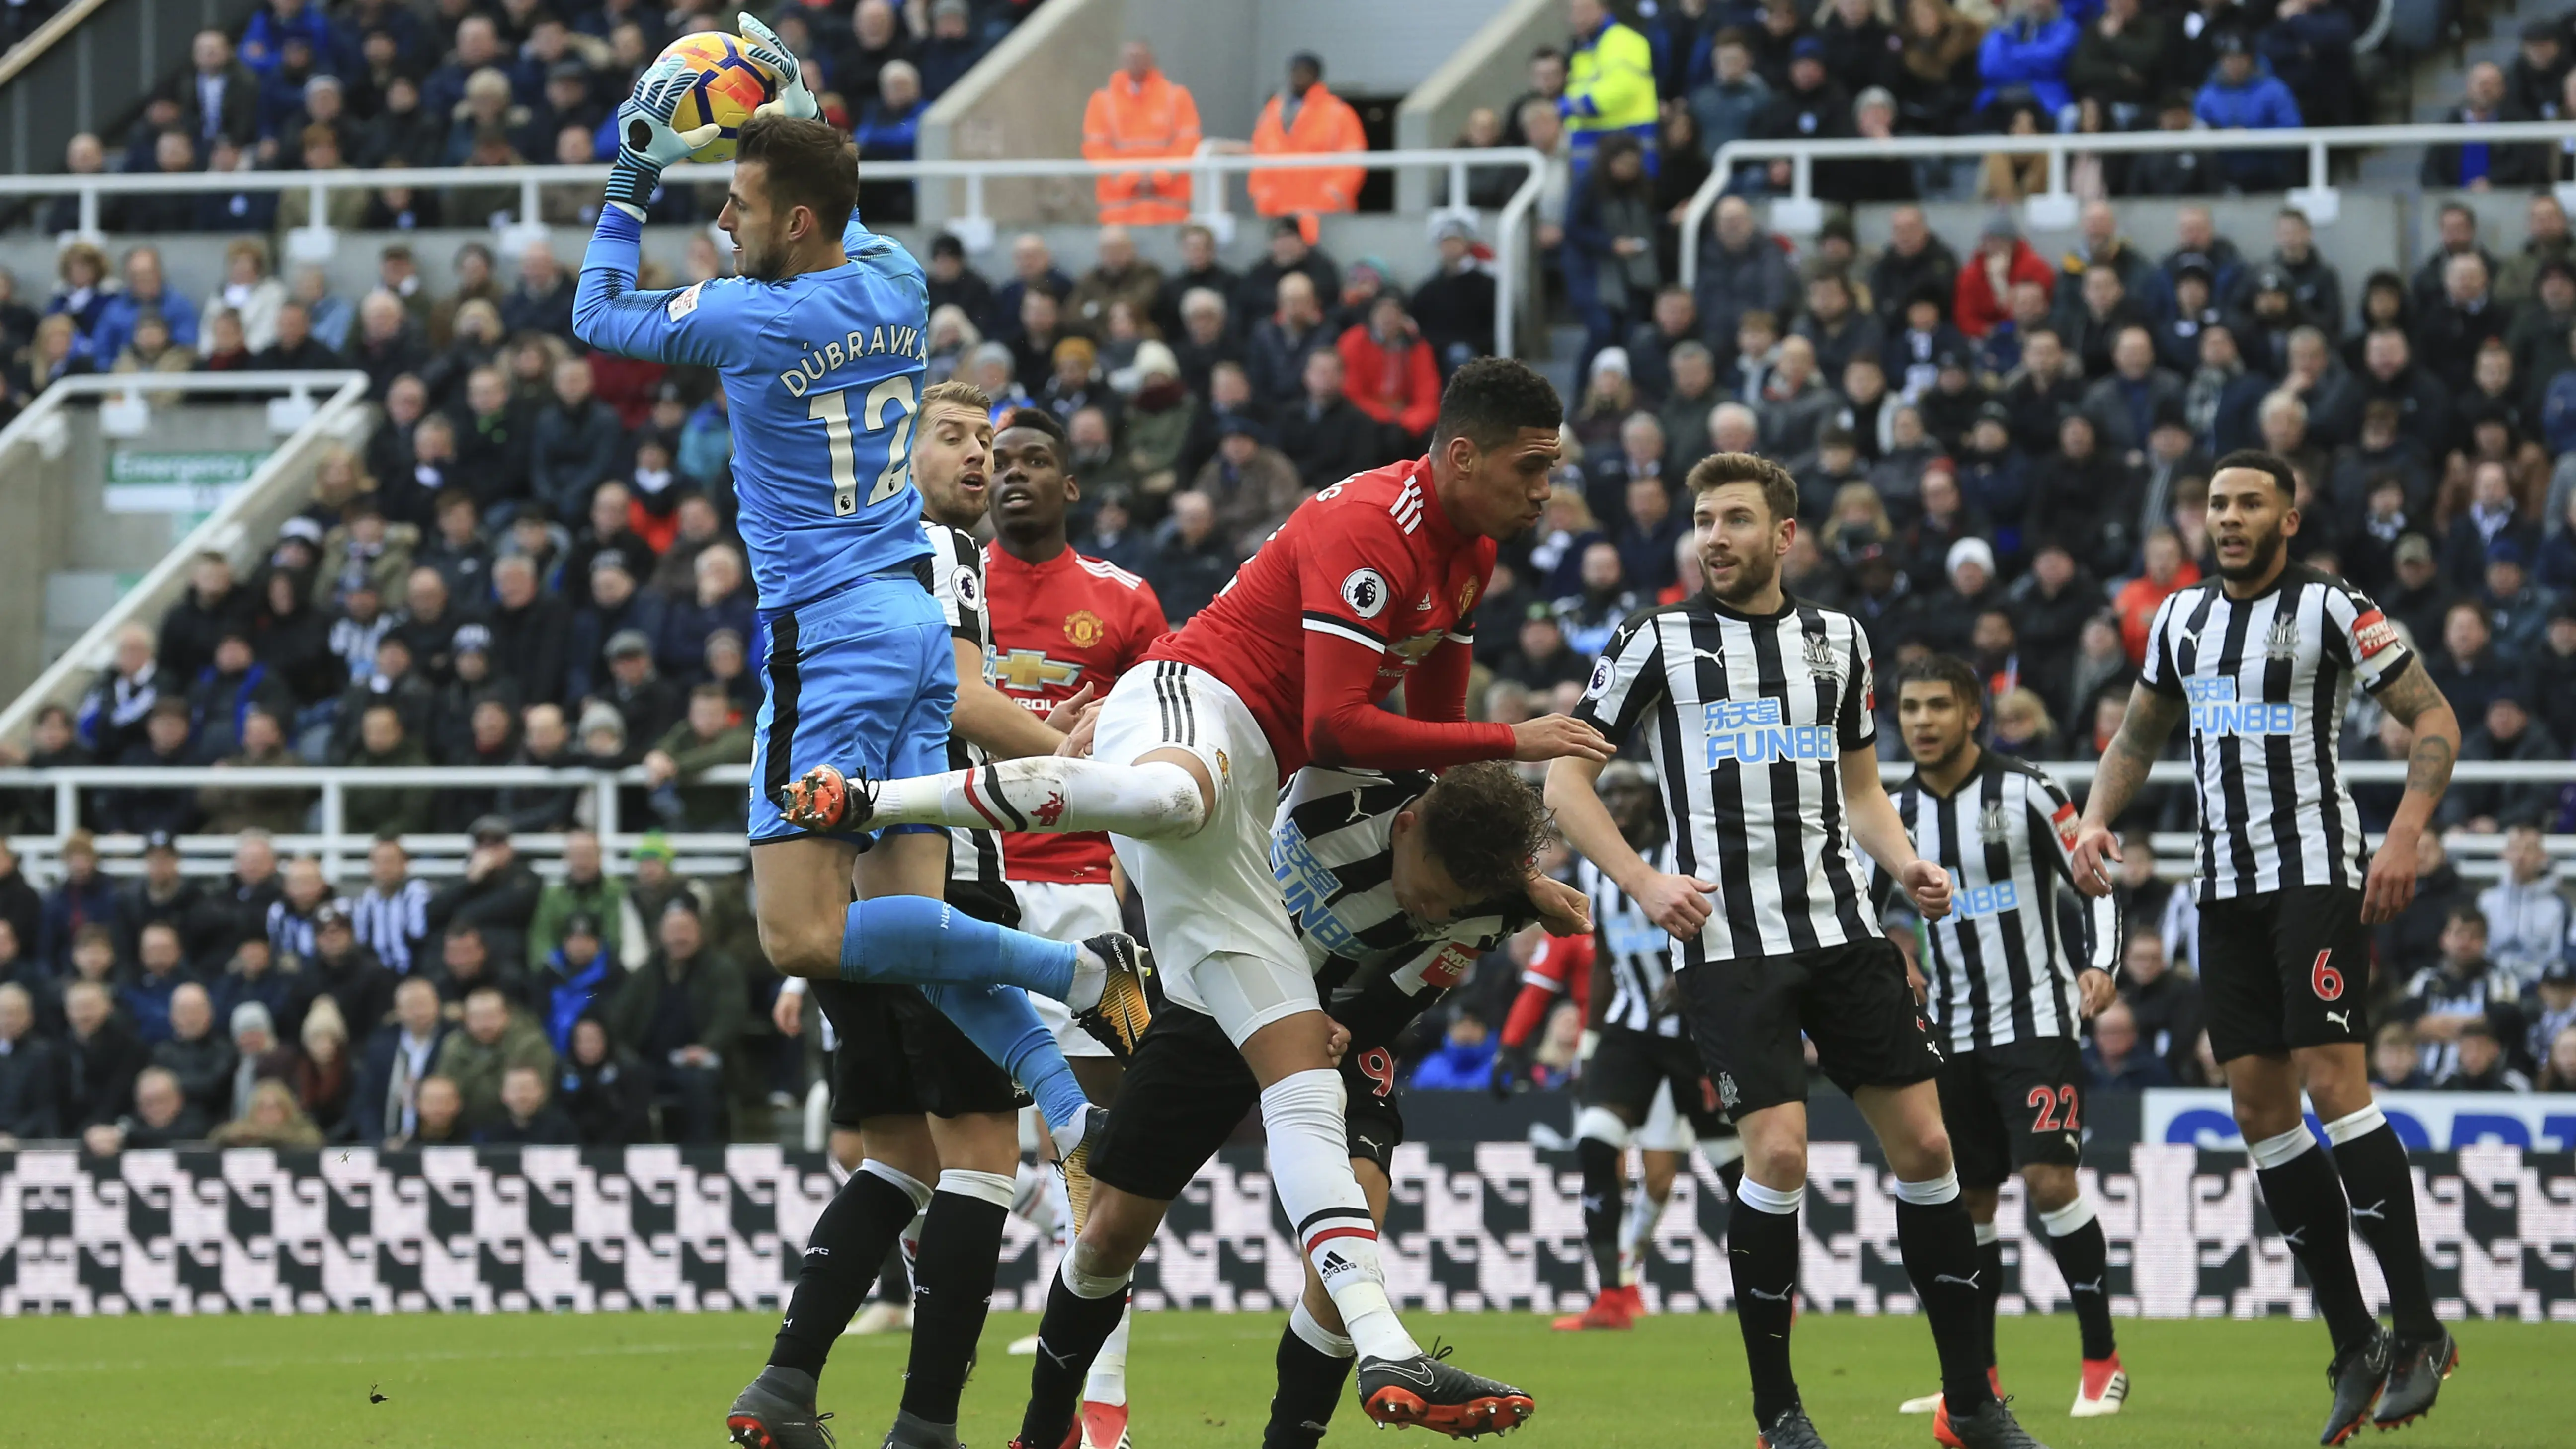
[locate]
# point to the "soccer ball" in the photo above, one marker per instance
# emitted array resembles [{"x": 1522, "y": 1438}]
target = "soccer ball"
[{"x": 728, "y": 87}]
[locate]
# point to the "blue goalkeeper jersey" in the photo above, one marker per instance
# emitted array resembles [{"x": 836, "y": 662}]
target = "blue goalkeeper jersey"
[{"x": 822, "y": 374}]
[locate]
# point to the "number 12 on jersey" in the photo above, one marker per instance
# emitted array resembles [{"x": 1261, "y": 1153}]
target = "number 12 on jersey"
[{"x": 832, "y": 410}]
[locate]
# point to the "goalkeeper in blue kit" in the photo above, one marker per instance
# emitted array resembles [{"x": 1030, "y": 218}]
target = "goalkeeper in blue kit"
[{"x": 820, "y": 340}]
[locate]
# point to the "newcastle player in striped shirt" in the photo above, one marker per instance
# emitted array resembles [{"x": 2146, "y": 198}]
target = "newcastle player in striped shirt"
[
  {"x": 1644, "y": 1047},
  {"x": 1395, "y": 884},
  {"x": 1758, "y": 709},
  {"x": 2260, "y": 661},
  {"x": 2007, "y": 991}
]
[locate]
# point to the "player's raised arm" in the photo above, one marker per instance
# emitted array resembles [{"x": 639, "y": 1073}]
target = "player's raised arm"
[{"x": 607, "y": 312}]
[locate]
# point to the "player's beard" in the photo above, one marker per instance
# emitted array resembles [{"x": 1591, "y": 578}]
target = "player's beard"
[
  {"x": 765, "y": 262},
  {"x": 2259, "y": 557},
  {"x": 1754, "y": 573}
]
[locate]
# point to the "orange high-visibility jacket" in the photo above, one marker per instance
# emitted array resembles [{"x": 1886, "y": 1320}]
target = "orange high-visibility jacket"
[
  {"x": 1128, "y": 118},
  {"x": 1325, "y": 122}
]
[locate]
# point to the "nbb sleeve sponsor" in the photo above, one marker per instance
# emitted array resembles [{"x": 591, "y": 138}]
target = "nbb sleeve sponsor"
[
  {"x": 2215, "y": 709},
  {"x": 1754, "y": 732}
]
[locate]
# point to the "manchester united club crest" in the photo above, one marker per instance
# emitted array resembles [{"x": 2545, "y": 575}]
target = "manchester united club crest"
[
  {"x": 1467, "y": 595},
  {"x": 2282, "y": 643},
  {"x": 1082, "y": 628},
  {"x": 1823, "y": 660},
  {"x": 1992, "y": 826}
]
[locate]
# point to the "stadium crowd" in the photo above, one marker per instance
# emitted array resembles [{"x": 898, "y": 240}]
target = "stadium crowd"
[{"x": 2001, "y": 455}]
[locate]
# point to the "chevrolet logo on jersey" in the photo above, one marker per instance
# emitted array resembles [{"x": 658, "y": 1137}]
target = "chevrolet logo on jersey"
[
  {"x": 1306, "y": 885},
  {"x": 2215, "y": 709},
  {"x": 1029, "y": 670},
  {"x": 1754, "y": 732},
  {"x": 1991, "y": 900}
]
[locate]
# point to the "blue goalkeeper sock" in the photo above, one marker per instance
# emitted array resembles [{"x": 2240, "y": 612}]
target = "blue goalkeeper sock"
[
  {"x": 1000, "y": 1021},
  {"x": 917, "y": 941}
]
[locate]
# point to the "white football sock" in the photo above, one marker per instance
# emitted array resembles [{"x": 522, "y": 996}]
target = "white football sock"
[
  {"x": 1108, "y": 1381},
  {"x": 1157, "y": 800},
  {"x": 1090, "y": 979},
  {"x": 1310, "y": 1169}
]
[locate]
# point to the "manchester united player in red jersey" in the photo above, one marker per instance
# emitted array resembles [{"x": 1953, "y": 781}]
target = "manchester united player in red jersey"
[
  {"x": 1064, "y": 626},
  {"x": 1371, "y": 584}
]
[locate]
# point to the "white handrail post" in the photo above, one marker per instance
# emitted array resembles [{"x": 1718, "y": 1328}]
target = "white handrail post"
[
  {"x": 89, "y": 210},
  {"x": 335, "y": 826},
  {"x": 1458, "y": 183},
  {"x": 604, "y": 822},
  {"x": 528, "y": 201},
  {"x": 2053, "y": 209},
  {"x": 1799, "y": 213},
  {"x": 973, "y": 230},
  {"x": 66, "y": 807}
]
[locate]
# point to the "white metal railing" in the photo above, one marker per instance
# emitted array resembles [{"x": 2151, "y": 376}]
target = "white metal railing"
[
  {"x": 341, "y": 850},
  {"x": 2054, "y": 209},
  {"x": 44, "y": 428},
  {"x": 975, "y": 228}
]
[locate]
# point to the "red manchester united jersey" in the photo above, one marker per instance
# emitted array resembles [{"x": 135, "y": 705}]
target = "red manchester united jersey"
[
  {"x": 1362, "y": 585},
  {"x": 1058, "y": 626}
]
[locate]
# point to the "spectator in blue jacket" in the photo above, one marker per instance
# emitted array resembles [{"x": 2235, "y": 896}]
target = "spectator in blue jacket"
[
  {"x": 263, "y": 44},
  {"x": 2240, "y": 96},
  {"x": 2029, "y": 52},
  {"x": 2309, "y": 46},
  {"x": 1464, "y": 1062},
  {"x": 146, "y": 290},
  {"x": 951, "y": 50},
  {"x": 889, "y": 129}
]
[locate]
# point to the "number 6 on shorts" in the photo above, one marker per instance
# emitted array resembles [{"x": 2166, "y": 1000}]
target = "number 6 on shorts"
[{"x": 2323, "y": 979}]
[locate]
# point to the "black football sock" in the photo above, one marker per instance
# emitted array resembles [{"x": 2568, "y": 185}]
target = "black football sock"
[
  {"x": 961, "y": 1249},
  {"x": 1939, "y": 1245},
  {"x": 1082, "y": 1310},
  {"x": 1604, "y": 1197},
  {"x": 1314, "y": 1364},
  {"x": 1762, "y": 1252},
  {"x": 1990, "y": 1285},
  {"x": 2373, "y": 1165},
  {"x": 2307, "y": 1204},
  {"x": 2084, "y": 1260},
  {"x": 849, "y": 1239}
]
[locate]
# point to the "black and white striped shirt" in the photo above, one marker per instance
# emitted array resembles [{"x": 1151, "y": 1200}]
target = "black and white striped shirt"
[
  {"x": 957, "y": 580},
  {"x": 2000, "y": 969},
  {"x": 1639, "y": 952},
  {"x": 392, "y": 926},
  {"x": 1747, "y": 720},
  {"x": 1332, "y": 846},
  {"x": 2267, "y": 679}
]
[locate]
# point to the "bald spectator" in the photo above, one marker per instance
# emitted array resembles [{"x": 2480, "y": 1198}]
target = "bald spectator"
[
  {"x": 889, "y": 129},
  {"x": 574, "y": 443},
  {"x": 1742, "y": 270},
  {"x": 542, "y": 301},
  {"x": 1141, "y": 114},
  {"x": 1033, "y": 268},
  {"x": 875, "y": 38},
  {"x": 2478, "y": 165},
  {"x": 30, "y": 1073},
  {"x": 1117, "y": 276},
  {"x": 219, "y": 97},
  {"x": 101, "y": 1057},
  {"x": 162, "y": 1117},
  {"x": 1324, "y": 433},
  {"x": 197, "y": 1055},
  {"x": 497, "y": 1038},
  {"x": 1275, "y": 357},
  {"x": 2449, "y": 333},
  {"x": 388, "y": 344},
  {"x": 1189, "y": 562}
]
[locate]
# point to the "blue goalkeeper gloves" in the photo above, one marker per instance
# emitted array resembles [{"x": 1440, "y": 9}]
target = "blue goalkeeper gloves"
[
  {"x": 646, "y": 144},
  {"x": 762, "y": 45}
]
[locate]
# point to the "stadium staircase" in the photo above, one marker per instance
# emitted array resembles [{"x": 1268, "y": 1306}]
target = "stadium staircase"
[{"x": 91, "y": 67}]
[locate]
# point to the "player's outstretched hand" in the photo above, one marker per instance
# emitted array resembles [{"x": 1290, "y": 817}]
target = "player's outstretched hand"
[
  {"x": 1678, "y": 903},
  {"x": 1558, "y": 737},
  {"x": 2094, "y": 991},
  {"x": 1928, "y": 886},
  {"x": 787, "y": 1013},
  {"x": 1564, "y": 910},
  {"x": 2095, "y": 846},
  {"x": 646, "y": 144},
  {"x": 762, "y": 45},
  {"x": 1337, "y": 1040},
  {"x": 1077, "y": 735}
]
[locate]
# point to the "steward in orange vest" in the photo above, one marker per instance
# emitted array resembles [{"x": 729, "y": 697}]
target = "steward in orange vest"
[
  {"x": 1141, "y": 113},
  {"x": 1306, "y": 118}
]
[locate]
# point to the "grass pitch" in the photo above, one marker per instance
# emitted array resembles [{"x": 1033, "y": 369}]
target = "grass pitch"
[{"x": 1198, "y": 1379}]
